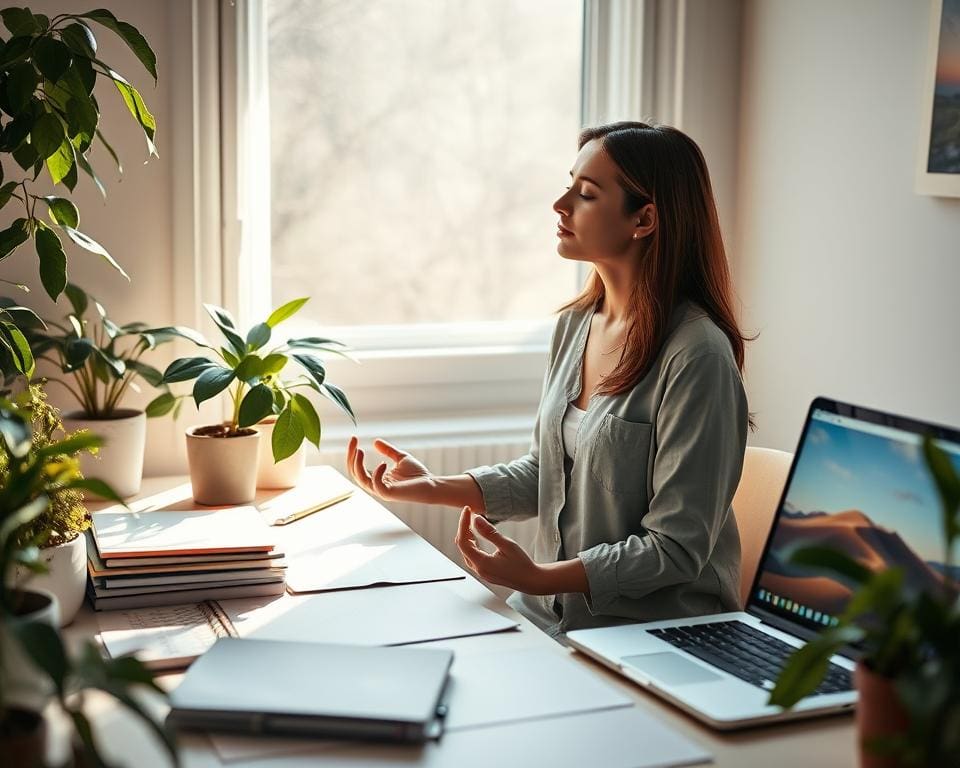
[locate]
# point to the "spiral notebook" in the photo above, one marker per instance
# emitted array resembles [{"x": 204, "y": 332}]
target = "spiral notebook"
[{"x": 170, "y": 637}]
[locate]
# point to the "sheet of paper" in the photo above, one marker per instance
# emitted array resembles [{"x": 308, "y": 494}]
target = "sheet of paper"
[
  {"x": 357, "y": 543},
  {"x": 627, "y": 737},
  {"x": 318, "y": 488},
  {"x": 485, "y": 689},
  {"x": 410, "y": 613}
]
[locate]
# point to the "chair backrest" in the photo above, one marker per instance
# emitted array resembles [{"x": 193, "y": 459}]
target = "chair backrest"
[{"x": 754, "y": 505}]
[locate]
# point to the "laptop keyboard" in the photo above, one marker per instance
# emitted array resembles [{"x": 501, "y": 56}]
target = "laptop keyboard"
[{"x": 742, "y": 651}]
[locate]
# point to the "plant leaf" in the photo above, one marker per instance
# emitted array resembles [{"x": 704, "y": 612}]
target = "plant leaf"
[
  {"x": 20, "y": 21},
  {"x": 227, "y": 327},
  {"x": 130, "y": 35},
  {"x": 52, "y": 57},
  {"x": 250, "y": 367},
  {"x": 22, "y": 81},
  {"x": 13, "y": 237},
  {"x": 284, "y": 311},
  {"x": 256, "y": 405},
  {"x": 76, "y": 296},
  {"x": 85, "y": 165},
  {"x": 79, "y": 39},
  {"x": 186, "y": 368},
  {"x": 807, "y": 666},
  {"x": 822, "y": 559},
  {"x": 273, "y": 363},
  {"x": 258, "y": 335},
  {"x": 95, "y": 486},
  {"x": 211, "y": 383},
  {"x": 287, "y": 435},
  {"x": 161, "y": 405},
  {"x": 15, "y": 432},
  {"x": 180, "y": 331},
  {"x": 6, "y": 192},
  {"x": 60, "y": 162},
  {"x": 63, "y": 211},
  {"x": 148, "y": 373},
  {"x": 337, "y": 396},
  {"x": 134, "y": 101},
  {"x": 14, "y": 340},
  {"x": 53, "y": 262},
  {"x": 93, "y": 246},
  {"x": 309, "y": 420},
  {"x": 42, "y": 643},
  {"x": 313, "y": 366},
  {"x": 947, "y": 481},
  {"x": 47, "y": 136}
]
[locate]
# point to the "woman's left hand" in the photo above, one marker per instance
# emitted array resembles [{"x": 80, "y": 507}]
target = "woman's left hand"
[{"x": 510, "y": 566}]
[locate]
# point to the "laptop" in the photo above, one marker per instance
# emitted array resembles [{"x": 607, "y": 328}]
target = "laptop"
[
  {"x": 314, "y": 689},
  {"x": 857, "y": 482}
]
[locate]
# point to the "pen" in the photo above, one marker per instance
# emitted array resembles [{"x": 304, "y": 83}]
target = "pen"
[{"x": 310, "y": 510}]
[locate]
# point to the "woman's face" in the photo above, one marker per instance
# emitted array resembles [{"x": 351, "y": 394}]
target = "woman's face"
[{"x": 593, "y": 226}]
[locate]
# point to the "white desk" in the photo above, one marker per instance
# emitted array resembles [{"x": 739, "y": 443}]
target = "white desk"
[{"x": 823, "y": 743}]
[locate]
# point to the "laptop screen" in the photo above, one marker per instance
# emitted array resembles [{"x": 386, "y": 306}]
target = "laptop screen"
[{"x": 859, "y": 484}]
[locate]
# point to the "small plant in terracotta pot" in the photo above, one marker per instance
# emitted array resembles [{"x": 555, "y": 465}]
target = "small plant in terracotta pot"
[
  {"x": 908, "y": 673},
  {"x": 223, "y": 457}
]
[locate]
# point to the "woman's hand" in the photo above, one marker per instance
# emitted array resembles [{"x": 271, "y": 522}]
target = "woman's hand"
[
  {"x": 510, "y": 566},
  {"x": 407, "y": 480}
]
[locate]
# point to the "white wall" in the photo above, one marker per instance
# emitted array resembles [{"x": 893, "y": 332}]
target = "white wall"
[
  {"x": 851, "y": 279},
  {"x": 135, "y": 222}
]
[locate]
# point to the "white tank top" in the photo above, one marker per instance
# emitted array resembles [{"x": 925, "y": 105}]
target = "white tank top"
[{"x": 570, "y": 428}]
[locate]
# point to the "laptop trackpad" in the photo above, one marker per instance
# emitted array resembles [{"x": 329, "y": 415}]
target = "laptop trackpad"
[{"x": 670, "y": 668}]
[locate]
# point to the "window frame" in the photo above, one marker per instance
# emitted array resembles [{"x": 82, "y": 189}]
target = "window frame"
[{"x": 472, "y": 371}]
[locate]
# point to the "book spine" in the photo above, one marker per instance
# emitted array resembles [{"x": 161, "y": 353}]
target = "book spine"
[{"x": 223, "y": 620}]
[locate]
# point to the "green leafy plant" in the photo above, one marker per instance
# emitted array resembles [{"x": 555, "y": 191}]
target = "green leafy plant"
[
  {"x": 908, "y": 637},
  {"x": 102, "y": 358},
  {"x": 50, "y": 119},
  {"x": 258, "y": 390},
  {"x": 37, "y": 472}
]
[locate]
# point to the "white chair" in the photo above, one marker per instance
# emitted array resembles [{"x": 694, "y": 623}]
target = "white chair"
[{"x": 754, "y": 504}]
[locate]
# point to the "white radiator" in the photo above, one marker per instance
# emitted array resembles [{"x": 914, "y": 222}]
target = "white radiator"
[{"x": 438, "y": 525}]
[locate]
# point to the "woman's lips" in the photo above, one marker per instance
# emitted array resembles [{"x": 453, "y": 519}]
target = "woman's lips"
[{"x": 563, "y": 231}]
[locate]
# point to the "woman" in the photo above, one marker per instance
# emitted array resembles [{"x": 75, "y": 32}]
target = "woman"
[{"x": 639, "y": 441}]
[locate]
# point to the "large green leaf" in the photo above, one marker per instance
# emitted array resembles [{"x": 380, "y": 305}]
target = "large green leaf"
[
  {"x": 337, "y": 396},
  {"x": 211, "y": 383},
  {"x": 256, "y": 405},
  {"x": 287, "y": 434},
  {"x": 21, "y": 82},
  {"x": 313, "y": 366},
  {"x": 13, "y": 237},
  {"x": 60, "y": 163},
  {"x": 95, "y": 486},
  {"x": 111, "y": 150},
  {"x": 87, "y": 169},
  {"x": 181, "y": 331},
  {"x": 258, "y": 335},
  {"x": 93, "y": 246},
  {"x": 947, "y": 481},
  {"x": 16, "y": 343},
  {"x": 806, "y": 667},
  {"x": 52, "y": 57},
  {"x": 309, "y": 420},
  {"x": 77, "y": 297},
  {"x": 20, "y": 21},
  {"x": 53, "y": 262},
  {"x": 81, "y": 441},
  {"x": 186, "y": 368},
  {"x": 148, "y": 373},
  {"x": 130, "y": 35},
  {"x": 47, "y": 136},
  {"x": 819, "y": 559},
  {"x": 6, "y": 192},
  {"x": 83, "y": 119},
  {"x": 286, "y": 310},
  {"x": 63, "y": 211},
  {"x": 228, "y": 327},
  {"x": 161, "y": 405},
  {"x": 42, "y": 643},
  {"x": 134, "y": 101},
  {"x": 249, "y": 368},
  {"x": 16, "y": 48},
  {"x": 15, "y": 432},
  {"x": 79, "y": 39},
  {"x": 273, "y": 363}
]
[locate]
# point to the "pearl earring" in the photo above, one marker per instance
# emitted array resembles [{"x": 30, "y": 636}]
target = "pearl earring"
[{"x": 636, "y": 235}]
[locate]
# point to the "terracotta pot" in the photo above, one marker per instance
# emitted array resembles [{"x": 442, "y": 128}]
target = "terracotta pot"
[
  {"x": 879, "y": 714},
  {"x": 280, "y": 474},
  {"x": 24, "y": 685},
  {"x": 23, "y": 738},
  {"x": 119, "y": 461},
  {"x": 66, "y": 576},
  {"x": 223, "y": 470}
]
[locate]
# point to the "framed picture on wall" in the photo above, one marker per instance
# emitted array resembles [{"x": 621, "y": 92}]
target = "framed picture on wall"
[{"x": 938, "y": 163}]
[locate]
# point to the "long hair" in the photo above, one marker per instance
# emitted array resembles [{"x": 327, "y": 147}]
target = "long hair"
[{"x": 684, "y": 258}]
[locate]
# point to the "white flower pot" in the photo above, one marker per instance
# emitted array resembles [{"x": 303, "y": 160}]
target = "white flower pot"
[
  {"x": 281, "y": 474},
  {"x": 25, "y": 685},
  {"x": 66, "y": 576},
  {"x": 119, "y": 461},
  {"x": 223, "y": 470}
]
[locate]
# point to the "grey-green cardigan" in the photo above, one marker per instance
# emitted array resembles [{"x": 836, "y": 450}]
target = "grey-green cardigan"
[{"x": 646, "y": 503}]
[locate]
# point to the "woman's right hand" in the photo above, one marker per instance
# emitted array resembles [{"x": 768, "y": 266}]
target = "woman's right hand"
[{"x": 407, "y": 480}]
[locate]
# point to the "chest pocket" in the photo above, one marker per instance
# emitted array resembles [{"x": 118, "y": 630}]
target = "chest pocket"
[{"x": 618, "y": 460}]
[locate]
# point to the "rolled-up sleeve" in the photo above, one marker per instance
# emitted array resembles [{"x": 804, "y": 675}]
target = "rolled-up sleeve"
[
  {"x": 510, "y": 490},
  {"x": 699, "y": 441}
]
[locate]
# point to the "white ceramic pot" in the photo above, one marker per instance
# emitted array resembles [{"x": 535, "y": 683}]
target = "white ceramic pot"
[
  {"x": 281, "y": 474},
  {"x": 119, "y": 461},
  {"x": 66, "y": 576},
  {"x": 23, "y": 684},
  {"x": 223, "y": 470}
]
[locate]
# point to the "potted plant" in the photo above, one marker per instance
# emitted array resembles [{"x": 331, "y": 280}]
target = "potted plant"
[
  {"x": 223, "y": 457},
  {"x": 34, "y": 664},
  {"x": 50, "y": 119},
  {"x": 103, "y": 362},
  {"x": 908, "y": 672},
  {"x": 58, "y": 530}
]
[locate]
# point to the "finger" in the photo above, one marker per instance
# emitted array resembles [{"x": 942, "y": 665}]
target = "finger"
[
  {"x": 464, "y": 534},
  {"x": 388, "y": 450},
  {"x": 351, "y": 453},
  {"x": 363, "y": 477},
  {"x": 487, "y": 530},
  {"x": 377, "y": 480}
]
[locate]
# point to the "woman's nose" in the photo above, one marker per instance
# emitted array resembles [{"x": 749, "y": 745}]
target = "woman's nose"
[{"x": 560, "y": 206}]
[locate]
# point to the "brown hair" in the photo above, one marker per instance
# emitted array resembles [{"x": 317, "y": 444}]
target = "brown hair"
[{"x": 684, "y": 258}]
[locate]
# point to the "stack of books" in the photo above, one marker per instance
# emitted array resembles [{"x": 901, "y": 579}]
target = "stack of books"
[{"x": 170, "y": 556}]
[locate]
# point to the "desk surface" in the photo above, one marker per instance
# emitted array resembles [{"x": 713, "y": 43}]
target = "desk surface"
[{"x": 824, "y": 743}]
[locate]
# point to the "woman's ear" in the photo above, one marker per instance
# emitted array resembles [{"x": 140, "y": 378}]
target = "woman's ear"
[{"x": 645, "y": 221}]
